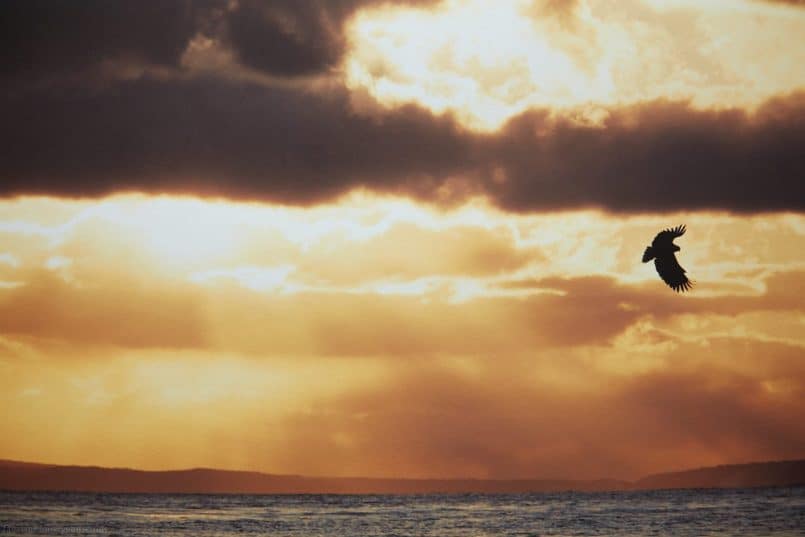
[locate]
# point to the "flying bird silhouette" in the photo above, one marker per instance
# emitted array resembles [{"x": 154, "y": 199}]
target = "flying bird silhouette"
[{"x": 662, "y": 252}]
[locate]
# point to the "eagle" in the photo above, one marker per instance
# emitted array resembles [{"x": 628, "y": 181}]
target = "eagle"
[{"x": 662, "y": 252}]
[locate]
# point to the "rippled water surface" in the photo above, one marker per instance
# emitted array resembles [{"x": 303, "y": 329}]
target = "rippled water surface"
[{"x": 778, "y": 511}]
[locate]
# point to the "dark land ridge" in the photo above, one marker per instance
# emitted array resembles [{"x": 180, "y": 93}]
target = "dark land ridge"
[{"x": 19, "y": 476}]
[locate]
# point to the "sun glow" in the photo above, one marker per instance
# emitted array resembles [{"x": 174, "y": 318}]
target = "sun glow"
[
  {"x": 487, "y": 61},
  {"x": 361, "y": 244},
  {"x": 296, "y": 334}
]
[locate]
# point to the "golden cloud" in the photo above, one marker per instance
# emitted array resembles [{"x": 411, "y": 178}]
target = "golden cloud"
[
  {"x": 381, "y": 337},
  {"x": 488, "y": 61}
]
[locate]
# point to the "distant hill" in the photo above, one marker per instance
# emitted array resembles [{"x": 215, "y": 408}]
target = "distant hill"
[
  {"x": 33, "y": 476},
  {"x": 757, "y": 474}
]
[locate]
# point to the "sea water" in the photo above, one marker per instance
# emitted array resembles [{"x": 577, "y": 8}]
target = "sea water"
[{"x": 772, "y": 511}]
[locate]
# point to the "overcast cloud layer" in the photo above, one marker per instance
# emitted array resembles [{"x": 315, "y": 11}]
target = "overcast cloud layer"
[{"x": 101, "y": 98}]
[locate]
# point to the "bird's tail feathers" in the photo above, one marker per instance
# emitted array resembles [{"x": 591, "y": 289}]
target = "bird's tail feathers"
[{"x": 648, "y": 255}]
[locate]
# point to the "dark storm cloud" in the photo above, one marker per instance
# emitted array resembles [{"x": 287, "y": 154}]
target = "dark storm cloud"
[
  {"x": 293, "y": 38},
  {"x": 287, "y": 38},
  {"x": 214, "y": 137},
  {"x": 238, "y": 140},
  {"x": 44, "y": 38},
  {"x": 658, "y": 156}
]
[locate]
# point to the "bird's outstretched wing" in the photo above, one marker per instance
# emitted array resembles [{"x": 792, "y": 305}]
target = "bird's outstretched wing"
[
  {"x": 672, "y": 273},
  {"x": 667, "y": 235}
]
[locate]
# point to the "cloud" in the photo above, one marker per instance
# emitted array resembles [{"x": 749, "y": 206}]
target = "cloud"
[
  {"x": 563, "y": 359},
  {"x": 653, "y": 157},
  {"x": 780, "y": 293},
  {"x": 734, "y": 416},
  {"x": 222, "y": 315},
  {"x": 288, "y": 38},
  {"x": 378, "y": 277},
  {"x": 213, "y": 137},
  {"x": 433, "y": 421},
  {"x": 563, "y": 414},
  {"x": 126, "y": 313},
  {"x": 404, "y": 252},
  {"x": 572, "y": 57},
  {"x": 41, "y": 39},
  {"x": 210, "y": 132},
  {"x": 46, "y": 41},
  {"x": 399, "y": 326},
  {"x": 248, "y": 141}
]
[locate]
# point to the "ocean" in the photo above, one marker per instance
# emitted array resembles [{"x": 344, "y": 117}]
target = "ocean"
[{"x": 734, "y": 512}]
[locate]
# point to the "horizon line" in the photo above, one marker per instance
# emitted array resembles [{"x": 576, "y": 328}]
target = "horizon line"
[{"x": 5, "y": 461}]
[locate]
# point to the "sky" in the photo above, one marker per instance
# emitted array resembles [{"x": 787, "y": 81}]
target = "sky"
[{"x": 401, "y": 239}]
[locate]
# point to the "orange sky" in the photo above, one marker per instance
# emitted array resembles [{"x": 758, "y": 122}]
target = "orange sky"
[
  {"x": 374, "y": 336},
  {"x": 466, "y": 300}
]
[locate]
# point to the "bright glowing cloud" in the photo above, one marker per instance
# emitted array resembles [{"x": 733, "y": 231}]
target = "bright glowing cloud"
[
  {"x": 487, "y": 61},
  {"x": 297, "y": 337},
  {"x": 363, "y": 240}
]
